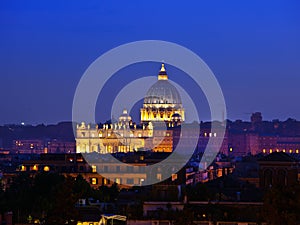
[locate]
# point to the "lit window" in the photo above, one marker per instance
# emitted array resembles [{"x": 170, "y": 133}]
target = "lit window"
[
  {"x": 94, "y": 180},
  {"x": 174, "y": 176},
  {"x": 104, "y": 181},
  {"x": 210, "y": 134},
  {"x": 205, "y": 134},
  {"x": 23, "y": 168},
  {"x": 283, "y": 150},
  {"x": 94, "y": 168},
  {"x": 108, "y": 134},
  {"x": 118, "y": 180},
  {"x": 297, "y": 151},
  {"x": 264, "y": 150},
  {"x": 271, "y": 150},
  {"x": 35, "y": 168},
  {"x": 46, "y": 168},
  {"x": 230, "y": 149},
  {"x": 140, "y": 135},
  {"x": 158, "y": 176},
  {"x": 141, "y": 181},
  {"x": 100, "y": 135}
]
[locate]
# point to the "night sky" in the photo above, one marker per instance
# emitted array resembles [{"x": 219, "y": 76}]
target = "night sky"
[{"x": 252, "y": 47}]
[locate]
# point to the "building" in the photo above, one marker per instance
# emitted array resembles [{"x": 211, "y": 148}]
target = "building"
[
  {"x": 60, "y": 146},
  {"x": 278, "y": 169},
  {"x": 29, "y": 146},
  {"x": 162, "y": 107}
]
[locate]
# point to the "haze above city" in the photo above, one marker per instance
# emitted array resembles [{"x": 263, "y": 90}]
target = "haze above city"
[{"x": 251, "y": 46}]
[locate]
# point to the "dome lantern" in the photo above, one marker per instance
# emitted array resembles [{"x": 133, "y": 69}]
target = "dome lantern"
[{"x": 162, "y": 75}]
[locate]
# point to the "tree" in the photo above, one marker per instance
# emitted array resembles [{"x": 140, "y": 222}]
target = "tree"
[{"x": 282, "y": 205}]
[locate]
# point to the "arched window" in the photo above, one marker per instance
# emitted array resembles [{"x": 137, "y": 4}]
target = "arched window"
[
  {"x": 268, "y": 175},
  {"x": 282, "y": 177}
]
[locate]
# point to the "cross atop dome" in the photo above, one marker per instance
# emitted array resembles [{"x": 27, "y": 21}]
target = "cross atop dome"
[{"x": 162, "y": 75}]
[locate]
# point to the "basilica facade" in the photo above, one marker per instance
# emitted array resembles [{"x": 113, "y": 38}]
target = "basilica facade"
[{"x": 162, "y": 109}]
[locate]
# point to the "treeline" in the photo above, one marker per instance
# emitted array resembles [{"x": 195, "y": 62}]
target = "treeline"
[{"x": 49, "y": 197}]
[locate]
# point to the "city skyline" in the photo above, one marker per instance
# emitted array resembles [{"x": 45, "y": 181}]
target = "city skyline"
[{"x": 251, "y": 48}]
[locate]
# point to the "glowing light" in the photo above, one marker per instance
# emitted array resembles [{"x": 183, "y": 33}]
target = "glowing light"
[
  {"x": 35, "y": 168},
  {"x": 94, "y": 180},
  {"x": 46, "y": 168}
]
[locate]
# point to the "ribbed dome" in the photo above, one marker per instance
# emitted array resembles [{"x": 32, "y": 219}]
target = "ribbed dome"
[{"x": 162, "y": 92}]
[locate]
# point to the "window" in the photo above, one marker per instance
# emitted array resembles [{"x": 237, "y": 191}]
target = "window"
[
  {"x": 174, "y": 176},
  {"x": 94, "y": 168},
  {"x": 94, "y": 180},
  {"x": 105, "y": 169},
  {"x": 130, "y": 181},
  {"x": 141, "y": 181},
  {"x": 46, "y": 168},
  {"x": 118, "y": 180},
  {"x": 35, "y": 168},
  {"x": 142, "y": 169},
  {"x": 129, "y": 169},
  {"x": 158, "y": 176},
  {"x": 23, "y": 168}
]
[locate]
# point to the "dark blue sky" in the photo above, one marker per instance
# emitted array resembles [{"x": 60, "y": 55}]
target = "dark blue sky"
[{"x": 252, "y": 47}]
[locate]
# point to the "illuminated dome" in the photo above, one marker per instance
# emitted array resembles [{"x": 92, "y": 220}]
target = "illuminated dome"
[
  {"x": 162, "y": 100},
  {"x": 162, "y": 92}
]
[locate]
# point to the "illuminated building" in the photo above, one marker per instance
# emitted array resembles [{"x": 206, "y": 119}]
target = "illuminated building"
[
  {"x": 162, "y": 101},
  {"x": 161, "y": 104},
  {"x": 28, "y": 146}
]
